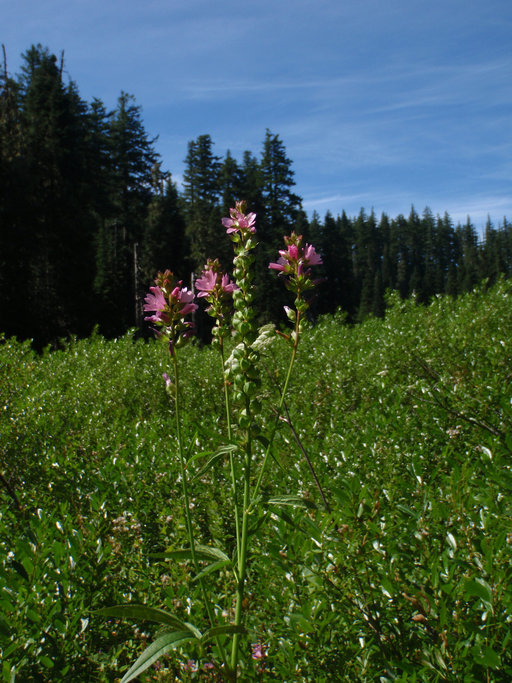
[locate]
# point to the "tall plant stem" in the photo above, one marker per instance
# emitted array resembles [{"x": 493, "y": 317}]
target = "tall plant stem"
[
  {"x": 188, "y": 519},
  {"x": 280, "y": 406},
  {"x": 242, "y": 551},
  {"x": 234, "y": 486}
]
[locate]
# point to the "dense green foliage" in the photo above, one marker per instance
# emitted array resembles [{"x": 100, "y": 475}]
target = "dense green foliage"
[
  {"x": 87, "y": 217},
  {"x": 407, "y": 420}
]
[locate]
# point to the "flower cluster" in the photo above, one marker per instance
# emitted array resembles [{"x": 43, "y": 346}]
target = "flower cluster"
[
  {"x": 296, "y": 259},
  {"x": 217, "y": 288},
  {"x": 294, "y": 263},
  {"x": 170, "y": 304},
  {"x": 239, "y": 224}
]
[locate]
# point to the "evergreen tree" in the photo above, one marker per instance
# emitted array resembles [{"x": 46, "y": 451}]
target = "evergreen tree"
[
  {"x": 277, "y": 180},
  {"x": 54, "y": 224},
  {"x": 164, "y": 243},
  {"x": 281, "y": 210},
  {"x": 130, "y": 188},
  {"x": 251, "y": 183},
  {"x": 12, "y": 201},
  {"x": 201, "y": 195},
  {"x": 469, "y": 273}
]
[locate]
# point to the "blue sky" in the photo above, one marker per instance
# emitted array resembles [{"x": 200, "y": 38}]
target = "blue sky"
[{"x": 381, "y": 104}]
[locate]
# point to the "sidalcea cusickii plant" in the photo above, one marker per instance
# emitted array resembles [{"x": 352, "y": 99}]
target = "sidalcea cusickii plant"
[{"x": 248, "y": 443}]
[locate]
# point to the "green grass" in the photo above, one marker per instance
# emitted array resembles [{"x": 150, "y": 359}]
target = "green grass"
[{"x": 408, "y": 423}]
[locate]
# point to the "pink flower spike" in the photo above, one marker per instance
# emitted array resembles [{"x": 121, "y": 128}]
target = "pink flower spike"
[
  {"x": 238, "y": 221},
  {"x": 186, "y": 297}
]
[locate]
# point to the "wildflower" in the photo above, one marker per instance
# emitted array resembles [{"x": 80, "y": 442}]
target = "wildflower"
[
  {"x": 155, "y": 301},
  {"x": 294, "y": 263},
  {"x": 239, "y": 222},
  {"x": 214, "y": 283},
  {"x": 258, "y": 651},
  {"x": 190, "y": 665},
  {"x": 170, "y": 303},
  {"x": 295, "y": 260},
  {"x": 217, "y": 288}
]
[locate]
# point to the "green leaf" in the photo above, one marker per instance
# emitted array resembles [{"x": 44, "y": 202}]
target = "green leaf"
[
  {"x": 480, "y": 589},
  {"x": 222, "y": 630},
  {"x": 157, "y": 649},
  {"x": 4, "y": 627},
  {"x": 301, "y": 623},
  {"x": 155, "y": 614},
  {"x": 293, "y": 500},
  {"x": 223, "y": 450},
  {"x": 216, "y": 566},
  {"x": 202, "y": 552},
  {"x": 208, "y": 465},
  {"x": 47, "y": 662},
  {"x": 19, "y": 568},
  {"x": 491, "y": 658},
  {"x": 406, "y": 510}
]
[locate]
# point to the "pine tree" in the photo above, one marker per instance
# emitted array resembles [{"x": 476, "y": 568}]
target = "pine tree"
[
  {"x": 130, "y": 188},
  {"x": 282, "y": 208},
  {"x": 12, "y": 201},
  {"x": 164, "y": 242},
  {"x": 201, "y": 182},
  {"x": 54, "y": 230}
]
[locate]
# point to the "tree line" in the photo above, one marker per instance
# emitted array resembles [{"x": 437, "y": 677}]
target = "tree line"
[{"x": 88, "y": 216}]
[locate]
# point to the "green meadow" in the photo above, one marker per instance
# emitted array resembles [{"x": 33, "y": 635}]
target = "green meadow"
[{"x": 405, "y": 574}]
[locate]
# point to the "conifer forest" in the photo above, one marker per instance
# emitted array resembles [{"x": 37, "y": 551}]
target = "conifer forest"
[{"x": 88, "y": 216}]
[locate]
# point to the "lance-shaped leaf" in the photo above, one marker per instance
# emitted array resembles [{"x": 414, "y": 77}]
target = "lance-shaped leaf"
[
  {"x": 157, "y": 649},
  {"x": 202, "y": 552},
  {"x": 213, "y": 458},
  {"x": 226, "y": 629},
  {"x": 154, "y": 614},
  {"x": 293, "y": 500},
  {"x": 214, "y": 567}
]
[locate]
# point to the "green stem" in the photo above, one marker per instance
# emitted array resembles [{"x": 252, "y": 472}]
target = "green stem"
[
  {"x": 242, "y": 553},
  {"x": 231, "y": 458},
  {"x": 186, "y": 496},
  {"x": 280, "y": 407}
]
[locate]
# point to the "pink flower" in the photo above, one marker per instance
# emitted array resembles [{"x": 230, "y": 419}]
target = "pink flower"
[
  {"x": 311, "y": 257},
  {"x": 239, "y": 222},
  {"x": 280, "y": 265},
  {"x": 186, "y": 298},
  {"x": 156, "y": 302},
  {"x": 206, "y": 283},
  {"x": 171, "y": 303},
  {"x": 212, "y": 281},
  {"x": 258, "y": 651},
  {"x": 228, "y": 286},
  {"x": 190, "y": 665},
  {"x": 295, "y": 260}
]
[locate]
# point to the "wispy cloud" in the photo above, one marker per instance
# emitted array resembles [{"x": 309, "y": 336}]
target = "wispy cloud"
[{"x": 381, "y": 104}]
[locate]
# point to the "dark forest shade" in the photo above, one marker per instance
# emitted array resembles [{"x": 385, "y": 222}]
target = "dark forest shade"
[{"x": 87, "y": 217}]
